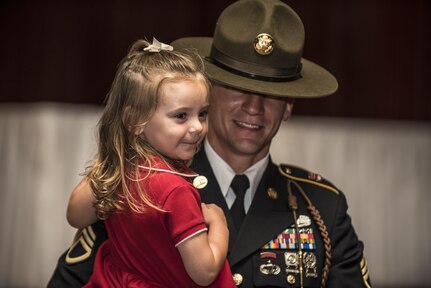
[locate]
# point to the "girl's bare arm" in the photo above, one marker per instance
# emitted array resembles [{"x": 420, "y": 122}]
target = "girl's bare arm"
[
  {"x": 80, "y": 210},
  {"x": 204, "y": 254}
]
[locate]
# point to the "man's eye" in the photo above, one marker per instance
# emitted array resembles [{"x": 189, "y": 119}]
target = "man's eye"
[{"x": 181, "y": 116}]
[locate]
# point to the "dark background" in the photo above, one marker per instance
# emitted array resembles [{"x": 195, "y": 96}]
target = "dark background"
[{"x": 67, "y": 51}]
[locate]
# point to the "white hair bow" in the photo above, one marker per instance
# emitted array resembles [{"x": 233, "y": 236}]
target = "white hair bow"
[{"x": 157, "y": 46}]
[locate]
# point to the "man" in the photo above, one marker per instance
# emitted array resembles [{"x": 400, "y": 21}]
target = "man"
[{"x": 288, "y": 227}]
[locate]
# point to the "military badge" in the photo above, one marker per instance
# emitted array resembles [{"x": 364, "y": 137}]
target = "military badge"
[
  {"x": 272, "y": 193},
  {"x": 310, "y": 262},
  {"x": 314, "y": 176},
  {"x": 268, "y": 255},
  {"x": 263, "y": 44},
  {"x": 303, "y": 221},
  {"x": 200, "y": 182},
  {"x": 292, "y": 262},
  {"x": 269, "y": 268}
]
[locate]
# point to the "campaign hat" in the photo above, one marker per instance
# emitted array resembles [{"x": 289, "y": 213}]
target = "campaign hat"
[{"x": 257, "y": 47}]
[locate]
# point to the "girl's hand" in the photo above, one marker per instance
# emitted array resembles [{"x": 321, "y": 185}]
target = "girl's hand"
[
  {"x": 213, "y": 214},
  {"x": 205, "y": 253}
]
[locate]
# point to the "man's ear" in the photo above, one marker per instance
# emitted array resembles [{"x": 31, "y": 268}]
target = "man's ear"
[
  {"x": 289, "y": 109},
  {"x": 136, "y": 130}
]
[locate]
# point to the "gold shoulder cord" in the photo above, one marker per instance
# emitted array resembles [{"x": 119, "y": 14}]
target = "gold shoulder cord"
[{"x": 293, "y": 205}]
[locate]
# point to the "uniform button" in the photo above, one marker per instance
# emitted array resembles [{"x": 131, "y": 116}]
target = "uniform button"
[
  {"x": 237, "y": 278},
  {"x": 291, "y": 279}
]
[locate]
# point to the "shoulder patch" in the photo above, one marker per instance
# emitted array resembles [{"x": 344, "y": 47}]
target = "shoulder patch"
[
  {"x": 302, "y": 175},
  {"x": 82, "y": 245}
]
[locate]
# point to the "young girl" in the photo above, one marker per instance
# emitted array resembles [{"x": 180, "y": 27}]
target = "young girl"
[{"x": 153, "y": 124}]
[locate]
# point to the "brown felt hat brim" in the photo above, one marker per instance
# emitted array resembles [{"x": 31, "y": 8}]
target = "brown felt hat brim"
[{"x": 315, "y": 81}]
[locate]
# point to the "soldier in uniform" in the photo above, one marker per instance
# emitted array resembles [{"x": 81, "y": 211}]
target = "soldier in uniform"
[{"x": 288, "y": 227}]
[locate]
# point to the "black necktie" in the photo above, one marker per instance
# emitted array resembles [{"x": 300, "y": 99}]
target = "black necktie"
[{"x": 239, "y": 185}]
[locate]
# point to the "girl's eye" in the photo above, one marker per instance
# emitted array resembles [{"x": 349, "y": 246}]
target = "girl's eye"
[
  {"x": 181, "y": 116},
  {"x": 203, "y": 114}
]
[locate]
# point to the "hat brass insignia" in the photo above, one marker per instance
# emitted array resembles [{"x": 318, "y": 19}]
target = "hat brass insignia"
[{"x": 263, "y": 44}]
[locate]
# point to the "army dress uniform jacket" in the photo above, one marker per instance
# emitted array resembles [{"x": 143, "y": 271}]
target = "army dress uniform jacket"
[{"x": 265, "y": 251}]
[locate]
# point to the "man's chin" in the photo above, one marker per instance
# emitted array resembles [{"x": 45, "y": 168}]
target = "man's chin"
[{"x": 248, "y": 146}]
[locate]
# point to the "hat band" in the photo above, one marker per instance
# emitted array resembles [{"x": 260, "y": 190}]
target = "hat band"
[{"x": 271, "y": 74}]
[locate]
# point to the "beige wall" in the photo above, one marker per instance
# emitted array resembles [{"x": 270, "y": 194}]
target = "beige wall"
[{"x": 382, "y": 166}]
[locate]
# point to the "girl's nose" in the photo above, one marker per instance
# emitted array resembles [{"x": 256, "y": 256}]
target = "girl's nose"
[{"x": 196, "y": 126}]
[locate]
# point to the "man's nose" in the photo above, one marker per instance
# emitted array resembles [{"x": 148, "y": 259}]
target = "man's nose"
[{"x": 253, "y": 104}]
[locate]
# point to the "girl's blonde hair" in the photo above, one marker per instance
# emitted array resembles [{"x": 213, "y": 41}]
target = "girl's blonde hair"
[{"x": 130, "y": 103}]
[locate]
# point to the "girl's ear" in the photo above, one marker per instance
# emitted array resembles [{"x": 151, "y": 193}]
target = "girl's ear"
[
  {"x": 136, "y": 130},
  {"x": 140, "y": 130}
]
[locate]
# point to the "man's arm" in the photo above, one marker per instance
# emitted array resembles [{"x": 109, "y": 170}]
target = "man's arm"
[
  {"x": 349, "y": 267},
  {"x": 74, "y": 267}
]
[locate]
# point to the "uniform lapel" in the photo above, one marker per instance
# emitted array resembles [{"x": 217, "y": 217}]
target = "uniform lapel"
[
  {"x": 212, "y": 192},
  {"x": 266, "y": 218}
]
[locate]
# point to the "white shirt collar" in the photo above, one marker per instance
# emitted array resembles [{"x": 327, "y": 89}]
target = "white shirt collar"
[{"x": 224, "y": 173}]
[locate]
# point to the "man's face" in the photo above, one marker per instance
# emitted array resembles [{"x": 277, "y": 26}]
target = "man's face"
[{"x": 244, "y": 124}]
